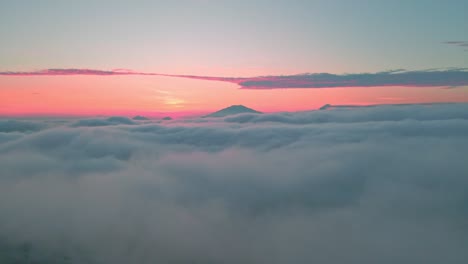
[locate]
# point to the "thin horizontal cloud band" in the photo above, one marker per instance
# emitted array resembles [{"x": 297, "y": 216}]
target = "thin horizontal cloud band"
[
  {"x": 424, "y": 78},
  {"x": 457, "y": 43}
]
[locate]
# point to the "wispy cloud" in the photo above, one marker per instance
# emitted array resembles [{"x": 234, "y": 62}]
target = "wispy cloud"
[
  {"x": 424, "y": 78},
  {"x": 73, "y": 71},
  {"x": 53, "y": 72},
  {"x": 463, "y": 44}
]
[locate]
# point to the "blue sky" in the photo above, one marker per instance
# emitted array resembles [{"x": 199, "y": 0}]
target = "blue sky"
[{"x": 278, "y": 36}]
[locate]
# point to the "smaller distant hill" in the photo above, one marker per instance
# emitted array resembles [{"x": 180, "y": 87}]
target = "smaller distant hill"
[
  {"x": 325, "y": 107},
  {"x": 167, "y": 118},
  {"x": 233, "y": 110},
  {"x": 331, "y": 107},
  {"x": 138, "y": 117}
]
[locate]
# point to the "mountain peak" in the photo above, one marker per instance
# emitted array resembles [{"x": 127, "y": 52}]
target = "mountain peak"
[{"x": 233, "y": 110}]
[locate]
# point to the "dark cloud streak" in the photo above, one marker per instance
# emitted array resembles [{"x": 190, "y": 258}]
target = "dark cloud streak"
[
  {"x": 436, "y": 78},
  {"x": 463, "y": 44},
  {"x": 424, "y": 78}
]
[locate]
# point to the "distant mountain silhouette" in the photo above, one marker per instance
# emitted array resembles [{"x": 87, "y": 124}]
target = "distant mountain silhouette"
[
  {"x": 233, "y": 110},
  {"x": 167, "y": 118},
  {"x": 138, "y": 117}
]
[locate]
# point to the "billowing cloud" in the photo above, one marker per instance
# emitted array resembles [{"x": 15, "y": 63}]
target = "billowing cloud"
[
  {"x": 359, "y": 114},
  {"x": 114, "y": 120},
  {"x": 19, "y": 125},
  {"x": 361, "y": 185},
  {"x": 425, "y": 78}
]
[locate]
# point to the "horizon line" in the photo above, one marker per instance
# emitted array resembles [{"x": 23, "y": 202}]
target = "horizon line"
[{"x": 195, "y": 114}]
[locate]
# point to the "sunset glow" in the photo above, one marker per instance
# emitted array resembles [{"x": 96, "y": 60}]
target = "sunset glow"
[
  {"x": 288, "y": 57},
  {"x": 156, "y": 96},
  {"x": 233, "y": 132}
]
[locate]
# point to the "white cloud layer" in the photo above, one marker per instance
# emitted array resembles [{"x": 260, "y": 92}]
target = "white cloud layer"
[{"x": 383, "y": 184}]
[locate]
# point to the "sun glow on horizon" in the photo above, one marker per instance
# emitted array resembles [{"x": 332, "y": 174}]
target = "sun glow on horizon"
[{"x": 90, "y": 95}]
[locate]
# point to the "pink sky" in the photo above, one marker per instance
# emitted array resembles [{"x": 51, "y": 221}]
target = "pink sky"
[{"x": 158, "y": 96}]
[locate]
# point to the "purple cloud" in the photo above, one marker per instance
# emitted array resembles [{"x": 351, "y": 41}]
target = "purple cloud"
[
  {"x": 424, "y": 78},
  {"x": 54, "y": 72}
]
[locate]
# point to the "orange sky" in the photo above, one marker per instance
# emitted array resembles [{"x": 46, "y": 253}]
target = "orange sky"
[{"x": 157, "y": 96}]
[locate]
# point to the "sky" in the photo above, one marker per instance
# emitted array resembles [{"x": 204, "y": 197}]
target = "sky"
[
  {"x": 226, "y": 39},
  {"x": 378, "y": 175}
]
